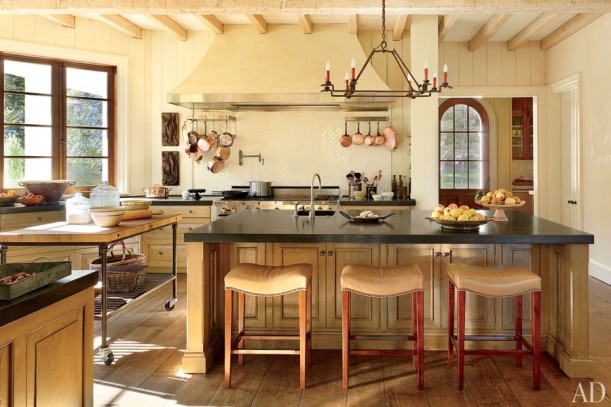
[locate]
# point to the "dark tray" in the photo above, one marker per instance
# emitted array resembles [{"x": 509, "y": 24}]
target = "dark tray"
[{"x": 42, "y": 274}]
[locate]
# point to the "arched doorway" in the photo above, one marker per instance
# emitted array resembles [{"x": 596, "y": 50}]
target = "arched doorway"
[{"x": 463, "y": 151}]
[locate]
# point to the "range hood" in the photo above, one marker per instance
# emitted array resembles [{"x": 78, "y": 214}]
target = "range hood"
[{"x": 280, "y": 70}]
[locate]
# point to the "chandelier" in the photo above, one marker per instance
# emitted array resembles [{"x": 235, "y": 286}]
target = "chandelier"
[{"x": 415, "y": 89}]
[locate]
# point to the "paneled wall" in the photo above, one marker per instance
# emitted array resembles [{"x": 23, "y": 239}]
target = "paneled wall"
[{"x": 586, "y": 53}]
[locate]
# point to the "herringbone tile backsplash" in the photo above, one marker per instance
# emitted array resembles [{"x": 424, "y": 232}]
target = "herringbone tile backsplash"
[{"x": 294, "y": 146}]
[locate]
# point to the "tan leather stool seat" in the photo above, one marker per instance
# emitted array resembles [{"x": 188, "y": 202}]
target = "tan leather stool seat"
[
  {"x": 255, "y": 279},
  {"x": 494, "y": 281},
  {"x": 382, "y": 282}
]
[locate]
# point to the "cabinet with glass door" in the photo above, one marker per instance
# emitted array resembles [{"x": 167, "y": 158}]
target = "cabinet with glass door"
[{"x": 522, "y": 129}]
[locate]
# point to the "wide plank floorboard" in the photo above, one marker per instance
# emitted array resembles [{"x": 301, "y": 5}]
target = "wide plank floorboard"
[{"x": 148, "y": 343}]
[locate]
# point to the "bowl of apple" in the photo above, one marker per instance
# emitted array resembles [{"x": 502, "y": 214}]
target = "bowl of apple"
[
  {"x": 458, "y": 218},
  {"x": 31, "y": 199},
  {"x": 499, "y": 200}
]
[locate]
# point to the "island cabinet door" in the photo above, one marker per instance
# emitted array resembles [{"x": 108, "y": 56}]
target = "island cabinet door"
[
  {"x": 9, "y": 395},
  {"x": 428, "y": 258},
  {"x": 480, "y": 311},
  {"x": 366, "y": 314},
  {"x": 284, "y": 310},
  {"x": 255, "y": 306}
]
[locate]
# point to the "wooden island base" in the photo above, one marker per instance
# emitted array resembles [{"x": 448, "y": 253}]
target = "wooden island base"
[{"x": 563, "y": 269}]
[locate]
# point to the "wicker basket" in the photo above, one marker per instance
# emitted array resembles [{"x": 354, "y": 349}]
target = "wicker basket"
[{"x": 124, "y": 272}]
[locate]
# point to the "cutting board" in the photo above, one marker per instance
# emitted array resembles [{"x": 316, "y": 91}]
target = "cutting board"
[{"x": 141, "y": 214}]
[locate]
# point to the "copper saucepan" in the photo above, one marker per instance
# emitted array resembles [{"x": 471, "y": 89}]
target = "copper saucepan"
[
  {"x": 369, "y": 138},
  {"x": 380, "y": 138},
  {"x": 358, "y": 137},
  {"x": 392, "y": 138},
  {"x": 345, "y": 140},
  {"x": 223, "y": 152},
  {"x": 216, "y": 165}
]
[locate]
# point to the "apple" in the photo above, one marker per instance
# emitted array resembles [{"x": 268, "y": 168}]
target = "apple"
[
  {"x": 486, "y": 199},
  {"x": 456, "y": 212},
  {"x": 472, "y": 212},
  {"x": 446, "y": 211},
  {"x": 463, "y": 217},
  {"x": 452, "y": 206},
  {"x": 436, "y": 214},
  {"x": 477, "y": 216},
  {"x": 448, "y": 217},
  {"x": 510, "y": 201},
  {"x": 463, "y": 208}
]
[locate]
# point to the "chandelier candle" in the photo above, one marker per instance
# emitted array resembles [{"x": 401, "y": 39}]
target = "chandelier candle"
[
  {"x": 426, "y": 70},
  {"x": 434, "y": 78},
  {"x": 328, "y": 72},
  {"x": 353, "y": 69}
]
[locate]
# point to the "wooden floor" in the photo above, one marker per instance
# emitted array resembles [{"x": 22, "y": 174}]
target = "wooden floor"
[{"x": 148, "y": 343}]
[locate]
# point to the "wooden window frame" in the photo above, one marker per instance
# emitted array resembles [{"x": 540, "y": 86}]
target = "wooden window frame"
[
  {"x": 58, "y": 109},
  {"x": 467, "y": 197}
]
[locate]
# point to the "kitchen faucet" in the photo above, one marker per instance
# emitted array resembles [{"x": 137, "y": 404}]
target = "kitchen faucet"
[{"x": 312, "y": 210}]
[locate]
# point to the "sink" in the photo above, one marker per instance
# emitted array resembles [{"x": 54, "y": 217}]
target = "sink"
[{"x": 319, "y": 212}]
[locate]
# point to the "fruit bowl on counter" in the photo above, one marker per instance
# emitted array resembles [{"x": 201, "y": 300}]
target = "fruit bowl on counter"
[
  {"x": 458, "y": 218},
  {"x": 31, "y": 199},
  {"x": 499, "y": 200}
]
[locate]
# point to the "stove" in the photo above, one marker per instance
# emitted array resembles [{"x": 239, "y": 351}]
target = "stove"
[{"x": 283, "y": 198}]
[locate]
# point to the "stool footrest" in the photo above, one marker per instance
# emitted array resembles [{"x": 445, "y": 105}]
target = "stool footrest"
[
  {"x": 383, "y": 337},
  {"x": 373, "y": 352},
  {"x": 269, "y": 337},
  {"x": 499, "y": 338},
  {"x": 265, "y": 352},
  {"x": 497, "y": 352}
]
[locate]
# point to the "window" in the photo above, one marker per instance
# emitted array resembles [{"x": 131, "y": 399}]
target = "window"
[
  {"x": 463, "y": 150},
  {"x": 58, "y": 120}
]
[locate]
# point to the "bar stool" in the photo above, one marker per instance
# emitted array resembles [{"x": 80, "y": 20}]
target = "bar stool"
[
  {"x": 508, "y": 281},
  {"x": 268, "y": 281},
  {"x": 383, "y": 282}
]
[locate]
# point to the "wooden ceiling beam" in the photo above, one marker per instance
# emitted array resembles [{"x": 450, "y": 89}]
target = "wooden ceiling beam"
[
  {"x": 530, "y": 30},
  {"x": 66, "y": 20},
  {"x": 400, "y": 24},
  {"x": 122, "y": 24},
  {"x": 567, "y": 29},
  {"x": 306, "y": 23},
  {"x": 243, "y": 7},
  {"x": 259, "y": 22},
  {"x": 171, "y": 26},
  {"x": 493, "y": 24},
  {"x": 353, "y": 24},
  {"x": 446, "y": 23},
  {"x": 213, "y": 23}
]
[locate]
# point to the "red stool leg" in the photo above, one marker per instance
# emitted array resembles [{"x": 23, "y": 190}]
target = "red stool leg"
[
  {"x": 536, "y": 338},
  {"x": 309, "y": 324},
  {"x": 345, "y": 337},
  {"x": 228, "y": 321},
  {"x": 241, "y": 324},
  {"x": 518, "y": 317},
  {"x": 420, "y": 337},
  {"x": 450, "y": 322},
  {"x": 415, "y": 325},
  {"x": 302, "y": 338},
  {"x": 461, "y": 339}
]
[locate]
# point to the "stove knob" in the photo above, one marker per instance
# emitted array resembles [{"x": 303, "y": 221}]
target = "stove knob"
[
  {"x": 223, "y": 211},
  {"x": 233, "y": 210}
]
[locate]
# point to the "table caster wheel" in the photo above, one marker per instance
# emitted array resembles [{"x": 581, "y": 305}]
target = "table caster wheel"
[
  {"x": 109, "y": 358},
  {"x": 169, "y": 304}
]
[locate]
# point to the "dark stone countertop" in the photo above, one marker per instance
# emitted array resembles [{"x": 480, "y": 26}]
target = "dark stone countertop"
[
  {"x": 38, "y": 299},
  {"x": 404, "y": 227}
]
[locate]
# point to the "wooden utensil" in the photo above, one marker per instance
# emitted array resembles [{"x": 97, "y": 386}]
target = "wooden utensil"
[{"x": 141, "y": 214}]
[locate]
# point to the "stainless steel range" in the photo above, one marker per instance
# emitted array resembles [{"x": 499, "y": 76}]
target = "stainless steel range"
[{"x": 283, "y": 198}]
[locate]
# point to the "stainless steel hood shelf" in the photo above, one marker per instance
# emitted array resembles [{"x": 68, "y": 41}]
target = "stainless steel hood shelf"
[{"x": 275, "y": 102}]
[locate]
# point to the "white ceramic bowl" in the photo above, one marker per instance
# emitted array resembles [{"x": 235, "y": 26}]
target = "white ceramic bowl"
[
  {"x": 388, "y": 195},
  {"x": 358, "y": 194},
  {"x": 377, "y": 197},
  {"x": 107, "y": 216}
]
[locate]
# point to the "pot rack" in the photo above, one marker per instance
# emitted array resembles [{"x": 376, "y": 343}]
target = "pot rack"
[{"x": 367, "y": 118}]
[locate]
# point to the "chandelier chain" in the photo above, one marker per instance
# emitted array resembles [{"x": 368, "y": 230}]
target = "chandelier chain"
[{"x": 383, "y": 43}]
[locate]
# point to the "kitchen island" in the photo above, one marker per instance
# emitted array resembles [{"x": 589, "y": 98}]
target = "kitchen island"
[{"x": 557, "y": 253}]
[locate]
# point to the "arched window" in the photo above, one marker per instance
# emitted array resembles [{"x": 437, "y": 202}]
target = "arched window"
[{"x": 463, "y": 151}]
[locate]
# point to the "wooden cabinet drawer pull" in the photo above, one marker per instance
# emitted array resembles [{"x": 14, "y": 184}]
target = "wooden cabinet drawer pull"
[{"x": 322, "y": 252}]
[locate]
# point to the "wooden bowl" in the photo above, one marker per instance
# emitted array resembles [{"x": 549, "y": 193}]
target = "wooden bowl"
[{"x": 135, "y": 204}]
